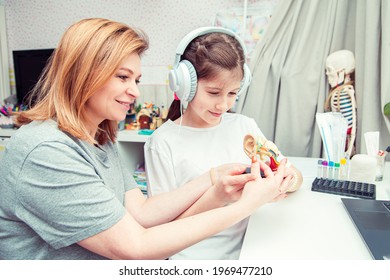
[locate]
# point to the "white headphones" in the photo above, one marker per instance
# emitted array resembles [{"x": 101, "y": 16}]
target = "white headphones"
[{"x": 183, "y": 79}]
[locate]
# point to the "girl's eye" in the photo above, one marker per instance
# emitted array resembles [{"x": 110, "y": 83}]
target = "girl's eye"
[
  {"x": 137, "y": 81},
  {"x": 233, "y": 93}
]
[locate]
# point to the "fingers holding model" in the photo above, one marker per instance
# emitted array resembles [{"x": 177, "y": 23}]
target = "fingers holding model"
[
  {"x": 231, "y": 183},
  {"x": 272, "y": 187},
  {"x": 231, "y": 179}
]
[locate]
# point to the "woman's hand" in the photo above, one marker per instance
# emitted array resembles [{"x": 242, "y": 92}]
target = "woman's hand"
[
  {"x": 297, "y": 178},
  {"x": 272, "y": 187},
  {"x": 228, "y": 181},
  {"x": 296, "y": 175}
]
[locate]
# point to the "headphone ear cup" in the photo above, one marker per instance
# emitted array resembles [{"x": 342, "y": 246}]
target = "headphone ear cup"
[
  {"x": 187, "y": 81},
  {"x": 245, "y": 82}
]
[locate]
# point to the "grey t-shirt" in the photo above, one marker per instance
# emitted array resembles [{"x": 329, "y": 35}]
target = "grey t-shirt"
[{"x": 56, "y": 190}]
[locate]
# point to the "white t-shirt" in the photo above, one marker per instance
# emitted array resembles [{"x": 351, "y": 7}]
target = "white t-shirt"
[{"x": 176, "y": 154}]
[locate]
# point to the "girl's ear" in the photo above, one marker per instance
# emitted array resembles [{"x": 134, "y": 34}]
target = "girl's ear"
[{"x": 250, "y": 145}]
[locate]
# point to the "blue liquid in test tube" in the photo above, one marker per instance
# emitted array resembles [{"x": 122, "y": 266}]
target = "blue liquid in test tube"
[{"x": 331, "y": 170}]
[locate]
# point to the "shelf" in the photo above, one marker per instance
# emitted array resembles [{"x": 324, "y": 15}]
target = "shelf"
[
  {"x": 131, "y": 136},
  {"x": 4, "y": 132}
]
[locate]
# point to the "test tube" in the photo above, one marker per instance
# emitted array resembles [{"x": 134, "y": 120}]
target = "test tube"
[
  {"x": 343, "y": 169},
  {"x": 336, "y": 174},
  {"x": 324, "y": 169},
  {"x": 319, "y": 168},
  {"x": 331, "y": 170}
]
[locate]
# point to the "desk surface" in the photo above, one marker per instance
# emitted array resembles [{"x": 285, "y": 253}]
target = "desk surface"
[{"x": 307, "y": 225}]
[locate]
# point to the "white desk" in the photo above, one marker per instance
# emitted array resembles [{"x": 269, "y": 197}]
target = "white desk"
[{"x": 307, "y": 225}]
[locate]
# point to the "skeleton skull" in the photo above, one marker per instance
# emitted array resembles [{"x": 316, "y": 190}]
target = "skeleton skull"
[{"x": 339, "y": 65}]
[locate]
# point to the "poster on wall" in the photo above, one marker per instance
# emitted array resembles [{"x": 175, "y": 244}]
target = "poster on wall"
[{"x": 251, "y": 30}]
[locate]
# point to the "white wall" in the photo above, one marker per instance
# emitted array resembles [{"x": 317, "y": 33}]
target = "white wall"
[
  {"x": 40, "y": 23},
  {"x": 37, "y": 24}
]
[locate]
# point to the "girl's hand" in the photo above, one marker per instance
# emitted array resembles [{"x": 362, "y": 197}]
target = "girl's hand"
[{"x": 228, "y": 181}]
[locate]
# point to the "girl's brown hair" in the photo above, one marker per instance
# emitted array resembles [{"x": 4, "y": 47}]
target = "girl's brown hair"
[
  {"x": 209, "y": 54},
  {"x": 87, "y": 56}
]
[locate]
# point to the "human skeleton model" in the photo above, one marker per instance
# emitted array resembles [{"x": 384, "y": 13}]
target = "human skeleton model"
[
  {"x": 267, "y": 151},
  {"x": 339, "y": 67}
]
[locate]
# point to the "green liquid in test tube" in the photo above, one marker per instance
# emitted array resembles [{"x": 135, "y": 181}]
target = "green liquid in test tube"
[{"x": 336, "y": 174}]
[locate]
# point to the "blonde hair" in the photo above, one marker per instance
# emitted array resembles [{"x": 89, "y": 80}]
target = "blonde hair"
[{"x": 87, "y": 56}]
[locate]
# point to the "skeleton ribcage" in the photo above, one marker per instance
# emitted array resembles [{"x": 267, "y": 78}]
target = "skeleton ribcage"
[
  {"x": 342, "y": 99},
  {"x": 342, "y": 102}
]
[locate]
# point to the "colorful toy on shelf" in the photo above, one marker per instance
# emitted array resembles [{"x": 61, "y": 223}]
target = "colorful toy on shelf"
[
  {"x": 144, "y": 119},
  {"x": 149, "y": 116}
]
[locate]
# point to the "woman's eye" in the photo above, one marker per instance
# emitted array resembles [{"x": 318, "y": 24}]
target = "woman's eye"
[{"x": 122, "y": 77}]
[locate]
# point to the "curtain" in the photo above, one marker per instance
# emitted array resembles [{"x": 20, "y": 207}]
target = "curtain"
[{"x": 289, "y": 84}]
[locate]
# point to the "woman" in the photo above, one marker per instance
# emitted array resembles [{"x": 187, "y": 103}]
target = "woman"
[
  {"x": 64, "y": 193},
  {"x": 205, "y": 135}
]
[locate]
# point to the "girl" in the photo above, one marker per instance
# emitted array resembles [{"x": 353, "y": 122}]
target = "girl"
[{"x": 210, "y": 72}]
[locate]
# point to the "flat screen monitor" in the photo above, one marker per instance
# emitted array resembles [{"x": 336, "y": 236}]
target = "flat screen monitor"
[{"x": 28, "y": 66}]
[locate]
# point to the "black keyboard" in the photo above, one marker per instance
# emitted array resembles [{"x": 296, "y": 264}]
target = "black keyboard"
[{"x": 342, "y": 187}]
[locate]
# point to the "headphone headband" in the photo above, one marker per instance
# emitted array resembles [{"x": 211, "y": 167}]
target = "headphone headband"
[
  {"x": 183, "y": 78},
  {"x": 202, "y": 31}
]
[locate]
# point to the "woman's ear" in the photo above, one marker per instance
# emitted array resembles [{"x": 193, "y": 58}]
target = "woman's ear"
[{"x": 250, "y": 145}]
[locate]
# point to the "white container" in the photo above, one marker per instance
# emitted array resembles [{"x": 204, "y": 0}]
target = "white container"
[{"x": 363, "y": 168}]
